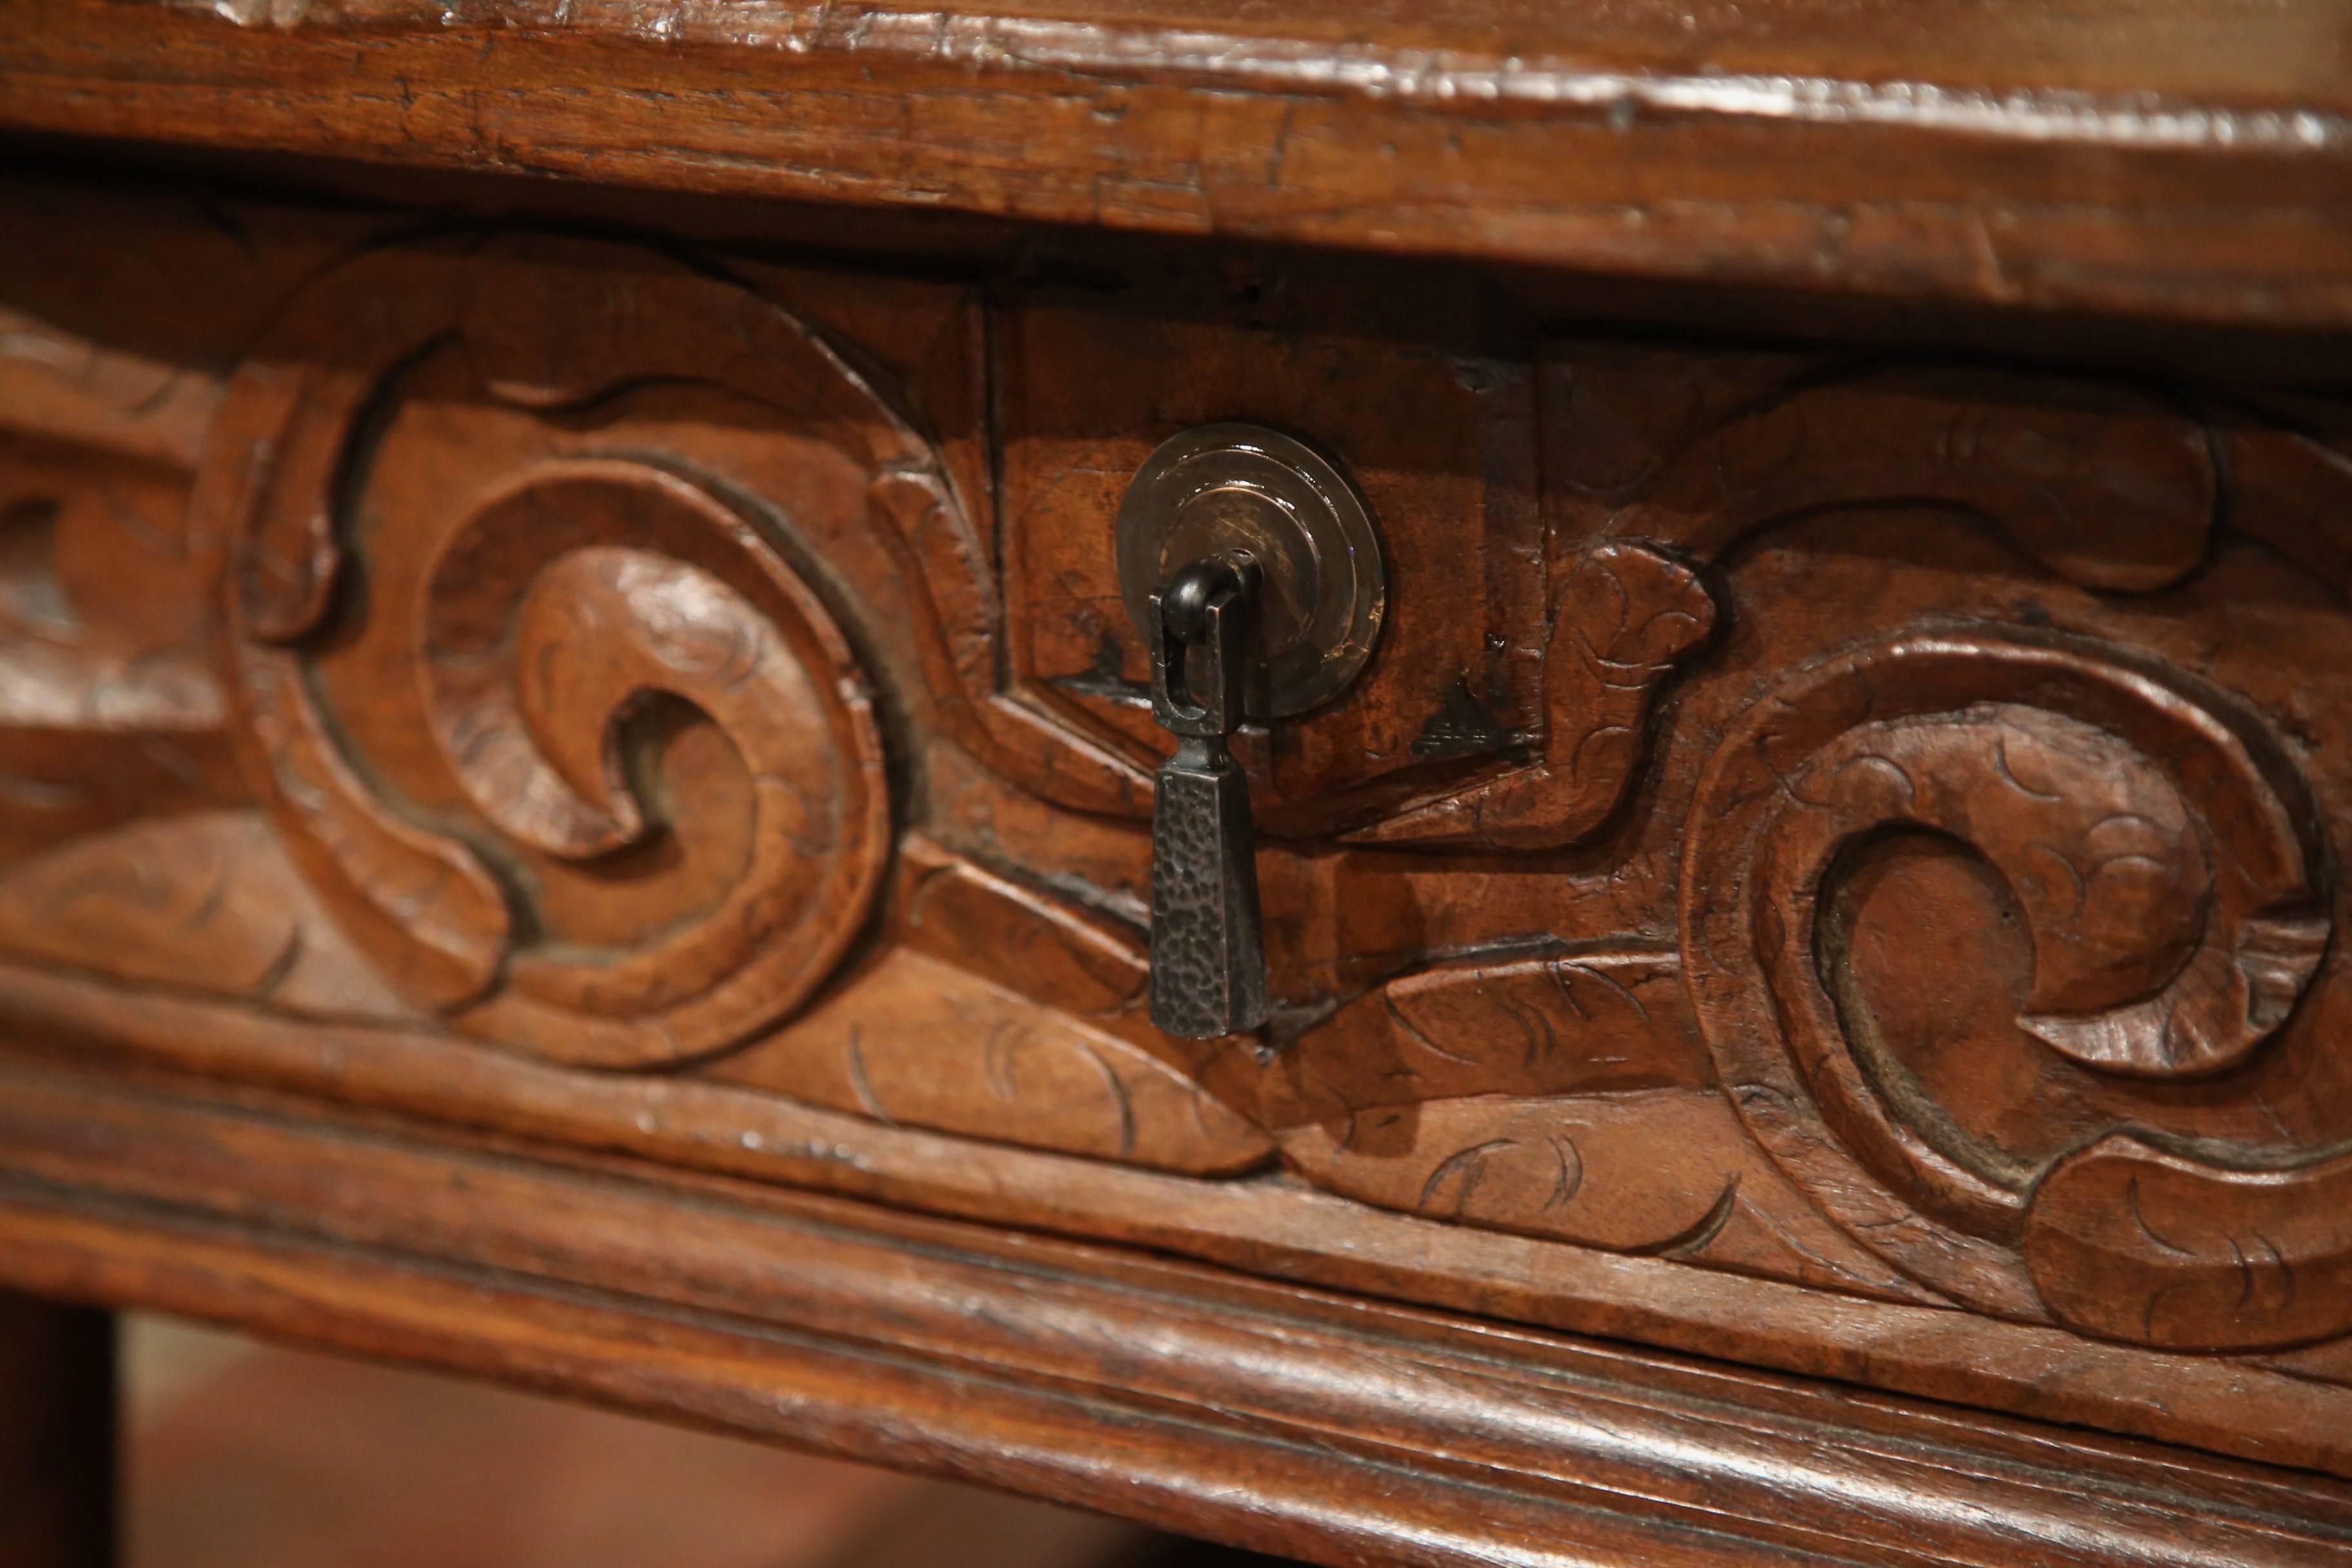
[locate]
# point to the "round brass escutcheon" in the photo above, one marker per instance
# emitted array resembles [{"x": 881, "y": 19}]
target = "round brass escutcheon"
[{"x": 1244, "y": 490}]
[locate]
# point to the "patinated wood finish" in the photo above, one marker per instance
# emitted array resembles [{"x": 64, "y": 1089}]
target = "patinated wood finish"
[
  {"x": 574, "y": 775},
  {"x": 2174, "y": 157}
]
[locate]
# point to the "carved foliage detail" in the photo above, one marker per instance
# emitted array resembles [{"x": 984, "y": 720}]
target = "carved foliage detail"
[
  {"x": 1564, "y": 1095},
  {"x": 2162, "y": 855},
  {"x": 2131, "y": 1242},
  {"x": 107, "y": 708},
  {"x": 533, "y": 675},
  {"x": 203, "y": 902},
  {"x": 999, "y": 1012},
  {"x": 2115, "y": 488},
  {"x": 1626, "y": 617}
]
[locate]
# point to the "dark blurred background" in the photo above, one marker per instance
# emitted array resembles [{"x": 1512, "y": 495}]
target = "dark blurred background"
[{"x": 240, "y": 1454}]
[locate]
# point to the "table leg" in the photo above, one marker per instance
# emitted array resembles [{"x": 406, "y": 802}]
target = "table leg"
[{"x": 57, "y": 1457}]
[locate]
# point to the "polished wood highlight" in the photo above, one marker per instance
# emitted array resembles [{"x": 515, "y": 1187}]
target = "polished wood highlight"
[
  {"x": 618, "y": 665},
  {"x": 577, "y": 764},
  {"x": 2170, "y": 157},
  {"x": 1263, "y": 1414}
]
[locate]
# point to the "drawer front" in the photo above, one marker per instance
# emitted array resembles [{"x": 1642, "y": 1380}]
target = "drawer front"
[{"x": 1829, "y": 865}]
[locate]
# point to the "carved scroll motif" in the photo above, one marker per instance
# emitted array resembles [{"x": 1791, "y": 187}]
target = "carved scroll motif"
[
  {"x": 2114, "y": 488},
  {"x": 107, "y": 708},
  {"x": 2132, "y": 1242},
  {"x": 569, "y": 595},
  {"x": 649, "y": 807},
  {"x": 2162, "y": 855}
]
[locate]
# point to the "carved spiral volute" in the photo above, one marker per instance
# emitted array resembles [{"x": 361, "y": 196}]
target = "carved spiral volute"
[
  {"x": 528, "y": 658},
  {"x": 2162, "y": 857}
]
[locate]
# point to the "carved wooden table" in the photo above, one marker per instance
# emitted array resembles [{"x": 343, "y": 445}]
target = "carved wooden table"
[{"x": 575, "y": 768}]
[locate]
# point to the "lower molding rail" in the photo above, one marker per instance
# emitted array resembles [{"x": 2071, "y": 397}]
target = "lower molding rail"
[{"x": 1274, "y": 1417}]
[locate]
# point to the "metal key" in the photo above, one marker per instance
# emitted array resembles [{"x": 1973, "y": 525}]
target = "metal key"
[{"x": 1208, "y": 954}]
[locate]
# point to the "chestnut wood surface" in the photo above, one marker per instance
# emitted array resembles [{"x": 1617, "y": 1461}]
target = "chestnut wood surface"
[
  {"x": 1269, "y": 1415},
  {"x": 576, "y": 774},
  {"x": 2168, "y": 157}
]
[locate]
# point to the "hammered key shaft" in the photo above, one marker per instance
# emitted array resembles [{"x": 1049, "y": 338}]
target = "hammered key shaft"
[{"x": 1208, "y": 954}]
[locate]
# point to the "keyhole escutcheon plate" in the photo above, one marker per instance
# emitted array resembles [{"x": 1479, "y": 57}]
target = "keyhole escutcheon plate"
[{"x": 1236, "y": 488}]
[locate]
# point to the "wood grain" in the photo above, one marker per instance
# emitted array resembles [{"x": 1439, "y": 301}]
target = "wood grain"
[
  {"x": 2165, "y": 158},
  {"x": 569, "y": 603},
  {"x": 2154, "y": 961},
  {"x": 1359, "y": 1431},
  {"x": 1832, "y": 866},
  {"x": 2291, "y": 1413}
]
